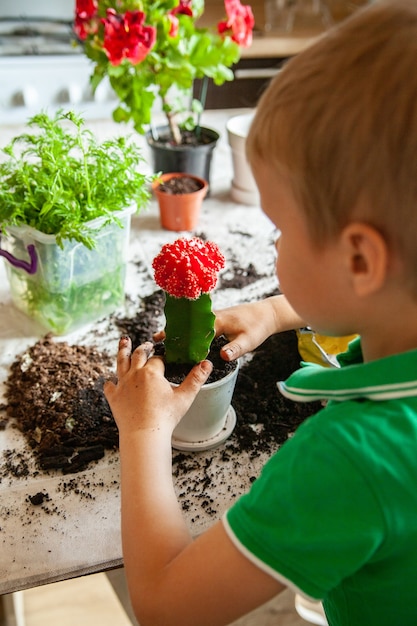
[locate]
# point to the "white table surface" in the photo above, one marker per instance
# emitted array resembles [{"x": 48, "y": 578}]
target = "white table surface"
[{"x": 77, "y": 530}]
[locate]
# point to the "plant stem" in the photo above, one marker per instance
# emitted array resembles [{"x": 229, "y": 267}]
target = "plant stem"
[
  {"x": 85, "y": 164},
  {"x": 173, "y": 126},
  {"x": 203, "y": 98}
]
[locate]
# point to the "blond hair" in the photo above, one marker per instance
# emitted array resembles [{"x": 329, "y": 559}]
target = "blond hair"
[{"x": 341, "y": 118}]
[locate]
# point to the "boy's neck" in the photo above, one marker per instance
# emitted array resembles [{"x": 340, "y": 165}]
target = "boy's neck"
[{"x": 392, "y": 329}]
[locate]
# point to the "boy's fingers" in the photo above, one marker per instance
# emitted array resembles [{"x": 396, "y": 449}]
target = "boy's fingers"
[
  {"x": 195, "y": 380},
  {"x": 123, "y": 356},
  {"x": 231, "y": 351},
  {"x": 156, "y": 363},
  {"x": 159, "y": 336},
  {"x": 142, "y": 353}
]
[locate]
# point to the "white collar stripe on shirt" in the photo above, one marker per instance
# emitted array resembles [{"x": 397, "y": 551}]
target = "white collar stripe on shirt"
[
  {"x": 390, "y": 378},
  {"x": 381, "y": 392}
]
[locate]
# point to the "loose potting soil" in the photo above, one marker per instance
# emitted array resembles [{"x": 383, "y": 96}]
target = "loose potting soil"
[{"x": 180, "y": 185}]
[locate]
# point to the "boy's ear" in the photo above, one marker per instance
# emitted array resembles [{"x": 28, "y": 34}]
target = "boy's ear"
[{"x": 366, "y": 253}]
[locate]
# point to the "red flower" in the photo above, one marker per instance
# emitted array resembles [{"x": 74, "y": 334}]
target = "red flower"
[
  {"x": 239, "y": 23},
  {"x": 188, "y": 267},
  {"x": 86, "y": 8},
  {"x": 86, "y": 22},
  {"x": 184, "y": 7},
  {"x": 126, "y": 37}
]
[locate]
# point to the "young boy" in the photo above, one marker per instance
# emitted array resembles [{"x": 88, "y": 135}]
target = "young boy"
[{"x": 333, "y": 148}]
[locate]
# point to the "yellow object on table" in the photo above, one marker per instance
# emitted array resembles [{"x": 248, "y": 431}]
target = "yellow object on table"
[{"x": 321, "y": 349}]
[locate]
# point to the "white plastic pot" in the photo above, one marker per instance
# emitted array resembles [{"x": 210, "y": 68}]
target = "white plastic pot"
[
  {"x": 244, "y": 189},
  {"x": 210, "y": 419}
]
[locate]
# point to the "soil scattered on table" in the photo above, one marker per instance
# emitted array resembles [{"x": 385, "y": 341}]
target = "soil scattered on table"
[
  {"x": 55, "y": 394},
  {"x": 240, "y": 278},
  {"x": 39, "y": 498}
]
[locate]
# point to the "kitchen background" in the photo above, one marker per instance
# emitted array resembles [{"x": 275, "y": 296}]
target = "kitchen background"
[{"x": 40, "y": 67}]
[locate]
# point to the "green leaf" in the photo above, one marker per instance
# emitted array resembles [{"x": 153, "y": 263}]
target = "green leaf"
[{"x": 120, "y": 115}]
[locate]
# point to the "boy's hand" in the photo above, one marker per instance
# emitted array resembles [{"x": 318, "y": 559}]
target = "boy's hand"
[
  {"x": 243, "y": 326},
  {"x": 143, "y": 398},
  {"x": 248, "y": 325}
]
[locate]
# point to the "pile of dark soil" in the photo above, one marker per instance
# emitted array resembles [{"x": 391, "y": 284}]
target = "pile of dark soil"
[{"x": 55, "y": 394}]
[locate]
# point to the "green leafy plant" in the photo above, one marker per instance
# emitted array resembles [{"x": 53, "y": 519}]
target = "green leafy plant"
[
  {"x": 187, "y": 271},
  {"x": 77, "y": 195},
  {"x": 58, "y": 178},
  {"x": 156, "y": 49}
]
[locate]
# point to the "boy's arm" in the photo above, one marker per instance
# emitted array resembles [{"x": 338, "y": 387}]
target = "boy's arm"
[
  {"x": 172, "y": 579},
  {"x": 247, "y": 325}
]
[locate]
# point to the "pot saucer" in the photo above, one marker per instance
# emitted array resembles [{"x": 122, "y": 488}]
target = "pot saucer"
[{"x": 213, "y": 442}]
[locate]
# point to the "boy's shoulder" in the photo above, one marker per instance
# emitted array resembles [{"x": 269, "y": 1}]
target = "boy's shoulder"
[{"x": 369, "y": 409}]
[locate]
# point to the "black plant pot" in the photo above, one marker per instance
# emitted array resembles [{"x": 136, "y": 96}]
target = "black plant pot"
[{"x": 192, "y": 157}]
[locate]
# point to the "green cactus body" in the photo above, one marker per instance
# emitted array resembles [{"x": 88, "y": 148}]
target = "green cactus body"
[{"x": 189, "y": 328}]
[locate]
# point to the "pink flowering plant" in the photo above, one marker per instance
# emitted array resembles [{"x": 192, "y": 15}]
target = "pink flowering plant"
[
  {"x": 156, "y": 49},
  {"x": 187, "y": 271}
]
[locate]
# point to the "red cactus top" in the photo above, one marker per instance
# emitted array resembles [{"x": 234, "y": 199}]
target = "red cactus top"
[{"x": 187, "y": 268}]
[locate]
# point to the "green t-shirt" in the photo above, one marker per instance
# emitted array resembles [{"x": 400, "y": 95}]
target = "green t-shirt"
[{"x": 334, "y": 512}]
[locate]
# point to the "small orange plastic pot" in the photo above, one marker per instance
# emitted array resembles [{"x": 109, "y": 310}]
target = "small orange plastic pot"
[{"x": 179, "y": 211}]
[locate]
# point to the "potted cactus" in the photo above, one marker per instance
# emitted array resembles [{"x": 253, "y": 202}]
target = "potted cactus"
[{"x": 187, "y": 271}]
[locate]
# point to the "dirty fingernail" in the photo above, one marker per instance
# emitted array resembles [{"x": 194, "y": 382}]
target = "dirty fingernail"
[{"x": 206, "y": 366}]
